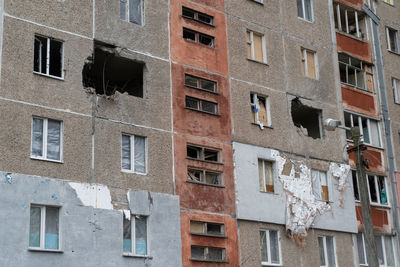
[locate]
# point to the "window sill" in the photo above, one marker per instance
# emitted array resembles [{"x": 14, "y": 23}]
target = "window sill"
[
  {"x": 202, "y": 260},
  {"x": 44, "y": 250},
  {"x": 133, "y": 172},
  {"x": 131, "y": 255},
  {"x": 270, "y": 264},
  {"x": 206, "y": 161},
  {"x": 199, "y": 21},
  {"x": 206, "y": 112},
  {"x": 259, "y": 62},
  {"x": 269, "y": 193},
  {"x": 265, "y": 126},
  {"x": 257, "y": 2},
  {"x": 200, "y": 183},
  {"x": 308, "y": 21},
  {"x": 197, "y": 43},
  {"x": 50, "y": 160},
  {"x": 393, "y": 52},
  {"x": 49, "y": 76},
  {"x": 131, "y": 22},
  {"x": 209, "y": 235},
  {"x": 201, "y": 89}
]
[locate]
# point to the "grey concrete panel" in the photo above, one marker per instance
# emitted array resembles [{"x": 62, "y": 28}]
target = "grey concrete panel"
[{"x": 139, "y": 202}]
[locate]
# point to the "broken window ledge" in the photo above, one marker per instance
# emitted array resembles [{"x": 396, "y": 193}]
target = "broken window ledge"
[
  {"x": 394, "y": 52},
  {"x": 134, "y": 172},
  {"x": 200, "y": 183},
  {"x": 44, "y": 159},
  {"x": 265, "y": 126},
  {"x": 259, "y": 62},
  {"x": 199, "y": 21},
  {"x": 49, "y": 76},
  {"x": 209, "y": 235},
  {"x": 215, "y": 114},
  {"x": 207, "y": 161},
  {"x": 204, "y": 260},
  {"x": 33, "y": 249},
  {"x": 201, "y": 89},
  {"x": 132, "y": 255}
]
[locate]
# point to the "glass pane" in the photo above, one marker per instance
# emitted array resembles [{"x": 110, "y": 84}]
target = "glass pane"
[
  {"x": 273, "y": 238},
  {"x": 308, "y": 9},
  {"x": 261, "y": 175},
  {"x": 389, "y": 251},
  {"x": 140, "y": 154},
  {"x": 300, "y": 8},
  {"x": 215, "y": 253},
  {"x": 331, "y": 251},
  {"x": 208, "y": 85},
  {"x": 213, "y": 178},
  {"x": 197, "y": 252},
  {"x": 193, "y": 152},
  {"x": 191, "y": 81},
  {"x": 360, "y": 79},
  {"x": 37, "y": 137},
  {"x": 263, "y": 245},
  {"x": 126, "y": 152},
  {"x": 372, "y": 189},
  {"x": 34, "y": 227},
  {"x": 321, "y": 251},
  {"x": 135, "y": 11},
  {"x": 127, "y": 235},
  {"x": 209, "y": 107},
  {"x": 347, "y": 123},
  {"x": 122, "y": 9},
  {"x": 316, "y": 184},
  {"x": 141, "y": 235},
  {"x": 365, "y": 131},
  {"x": 379, "y": 249},
  {"x": 188, "y": 13},
  {"x": 210, "y": 155},
  {"x": 53, "y": 139},
  {"x": 375, "y": 138},
  {"x": 40, "y": 54},
  {"x": 382, "y": 190},
  {"x": 192, "y": 103},
  {"x": 360, "y": 246},
  {"x": 51, "y": 232},
  {"x": 55, "y": 67}
]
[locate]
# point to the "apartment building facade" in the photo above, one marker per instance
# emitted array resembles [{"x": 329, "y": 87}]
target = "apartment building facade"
[{"x": 191, "y": 132}]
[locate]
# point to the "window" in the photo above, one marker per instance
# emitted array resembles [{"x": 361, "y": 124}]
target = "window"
[
  {"x": 134, "y": 153},
  {"x": 44, "y": 228},
  {"x": 392, "y": 37},
  {"x": 307, "y": 119},
  {"x": 362, "y": 255},
  {"x": 260, "y": 110},
  {"x": 384, "y": 247},
  {"x": 46, "y": 139},
  {"x": 377, "y": 189},
  {"x": 308, "y": 63},
  {"x": 350, "y": 21},
  {"x": 211, "y": 254},
  {"x": 202, "y": 153},
  {"x": 256, "y": 47},
  {"x": 204, "y": 177},
  {"x": 48, "y": 56},
  {"x": 266, "y": 175},
  {"x": 200, "y": 83},
  {"x": 207, "y": 228},
  {"x": 390, "y": 2},
  {"x": 369, "y": 128},
  {"x": 355, "y": 72},
  {"x": 197, "y": 16},
  {"x": 135, "y": 235},
  {"x": 355, "y": 185},
  {"x": 201, "y": 105},
  {"x": 327, "y": 253},
  {"x": 198, "y": 37},
  {"x": 132, "y": 11},
  {"x": 320, "y": 185},
  {"x": 396, "y": 90},
  {"x": 270, "y": 250},
  {"x": 304, "y": 9}
]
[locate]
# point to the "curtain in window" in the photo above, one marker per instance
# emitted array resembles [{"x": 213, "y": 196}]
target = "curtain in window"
[
  {"x": 34, "y": 227},
  {"x": 135, "y": 11},
  {"x": 51, "y": 231},
  {"x": 263, "y": 244},
  {"x": 360, "y": 246},
  {"x": 37, "y": 137},
  {"x": 308, "y": 10},
  {"x": 331, "y": 251},
  {"x": 389, "y": 251},
  {"x": 127, "y": 244},
  {"x": 53, "y": 139},
  {"x": 141, "y": 235},
  {"x": 273, "y": 239},
  {"x": 140, "y": 154},
  {"x": 378, "y": 241},
  {"x": 126, "y": 152},
  {"x": 316, "y": 184}
]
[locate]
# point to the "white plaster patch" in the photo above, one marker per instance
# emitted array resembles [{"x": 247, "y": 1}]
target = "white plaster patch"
[
  {"x": 127, "y": 214},
  {"x": 341, "y": 173},
  {"x": 95, "y": 195}
]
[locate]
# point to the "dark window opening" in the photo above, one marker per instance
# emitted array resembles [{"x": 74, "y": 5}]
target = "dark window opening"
[
  {"x": 194, "y": 15},
  {"x": 207, "y": 253},
  {"x": 107, "y": 72},
  {"x": 188, "y": 13},
  {"x": 200, "y": 83},
  {"x": 48, "y": 56},
  {"x": 210, "y": 155},
  {"x": 189, "y": 35},
  {"x": 193, "y": 152},
  {"x": 306, "y": 117},
  {"x": 201, "y": 105},
  {"x": 372, "y": 188},
  {"x": 355, "y": 185},
  {"x": 206, "y": 39}
]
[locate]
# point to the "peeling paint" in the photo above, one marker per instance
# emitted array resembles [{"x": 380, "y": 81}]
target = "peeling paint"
[
  {"x": 341, "y": 173},
  {"x": 95, "y": 195}
]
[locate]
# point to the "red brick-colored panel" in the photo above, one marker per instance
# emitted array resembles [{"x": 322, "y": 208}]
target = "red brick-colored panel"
[
  {"x": 353, "y": 47},
  {"x": 397, "y": 176},
  {"x": 379, "y": 218},
  {"x": 374, "y": 155},
  {"x": 357, "y": 4},
  {"x": 358, "y": 101}
]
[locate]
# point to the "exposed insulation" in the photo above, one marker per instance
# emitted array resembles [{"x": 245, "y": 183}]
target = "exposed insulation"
[
  {"x": 95, "y": 195},
  {"x": 341, "y": 173}
]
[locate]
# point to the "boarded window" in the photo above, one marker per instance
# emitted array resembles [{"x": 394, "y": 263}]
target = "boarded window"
[
  {"x": 320, "y": 185},
  {"x": 259, "y": 109},
  {"x": 255, "y": 46},
  {"x": 265, "y": 174},
  {"x": 308, "y": 65}
]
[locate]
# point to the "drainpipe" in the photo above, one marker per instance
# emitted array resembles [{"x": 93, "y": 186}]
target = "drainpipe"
[{"x": 386, "y": 116}]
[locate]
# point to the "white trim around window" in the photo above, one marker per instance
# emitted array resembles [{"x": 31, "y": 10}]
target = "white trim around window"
[
  {"x": 267, "y": 240},
  {"x": 327, "y": 246},
  {"x": 134, "y": 154}
]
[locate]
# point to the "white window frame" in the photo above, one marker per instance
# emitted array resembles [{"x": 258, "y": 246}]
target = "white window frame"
[
  {"x": 377, "y": 191},
  {"x": 368, "y": 126},
  {"x": 268, "y": 242},
  {"x": 304, "y": 11},
  {"x": 133, "y": 236},
  {"x": 127, "y": 15},
  {"x": 328, "y": 185},
  {"x": 264, "y": 178},
  {"x": 44, "y": 139},
  {"x": 382, "y": 240},
  {"x": 304, "y": 59},
  {"x": 263, "y": 43},
  {"x": 365, "y": 250},
  {"x": 396, "y": 90},
  {"x": 348, "y": 66},
  {"x": 43, "y": 228},
  {"x": 267, "y": 107},
  {"x": 132, "y": 154},
  {"x": 339, "y": 21},
  {"x": 326, "y": 250},
  {"x": 48, "y": 39},
  {"x": 397, "y": 42}
]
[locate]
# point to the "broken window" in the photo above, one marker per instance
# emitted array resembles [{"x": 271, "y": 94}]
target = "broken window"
[
  {"x": 396, "y": 90},
  {"x": 198, "y": 16},
  {"x": 46, "y": 139},
  {"x": 207, "y": 228},
  {"x": 208, "y": 254},
  {"x": 201, "y": 105},
  {"x": 327, "y": 253},
  {"x": 256, "y": 46},
  {"x": 259, "y": 109},
  {"x": 133, "y": 153},
  {"x": 350, "y": 21},
  {"x": 135, "y": 234},
  {"x": 48, "y": 56},
  {"x": 131, "y": 10},
  {"x": 355, "y": 186},
  {"x": 377, "y": 189},
  {"x": 266, "y": 175},
  {"x": 392, "y": 37},
  {"x": 306, "y": 117},
  {"x": 355, "y": 72},
  {"x": 198, "y": 37},
  {"x": 44, "y": 227},
  {"x": 308, "y": 63},
  {"x": 369, "y": 128},
  {"x": 108, "y": 72},
  {"x": 269, "y": 243},
  {"x": 384, "y": 247},
  {"x": 320, "y": 185},
  {"x": 200, "y": 83},
  {"x": 204, "y": 177},
  {"x": 304, "y": 9},
  {"x": 201, "y": 153}
]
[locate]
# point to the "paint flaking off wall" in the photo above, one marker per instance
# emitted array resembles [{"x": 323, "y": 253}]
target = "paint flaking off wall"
[
  {"x": 341, "y": 173},
  {"x": 94, "y": 195}
]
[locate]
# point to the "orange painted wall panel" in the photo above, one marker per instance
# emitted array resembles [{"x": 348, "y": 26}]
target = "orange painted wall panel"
[
  {"x": 358, "y": 101},
  {"x": 380, "y": 218},
  {"x": 375, "y": 157},
  {"x": 357, "y": 4},
  {"x": 353, "y": 47}
]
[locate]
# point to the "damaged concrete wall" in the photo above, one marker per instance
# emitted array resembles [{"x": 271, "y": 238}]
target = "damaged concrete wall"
[
  {"x": 90, "y": 229},
  {"x": 293, "y": 201}
]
